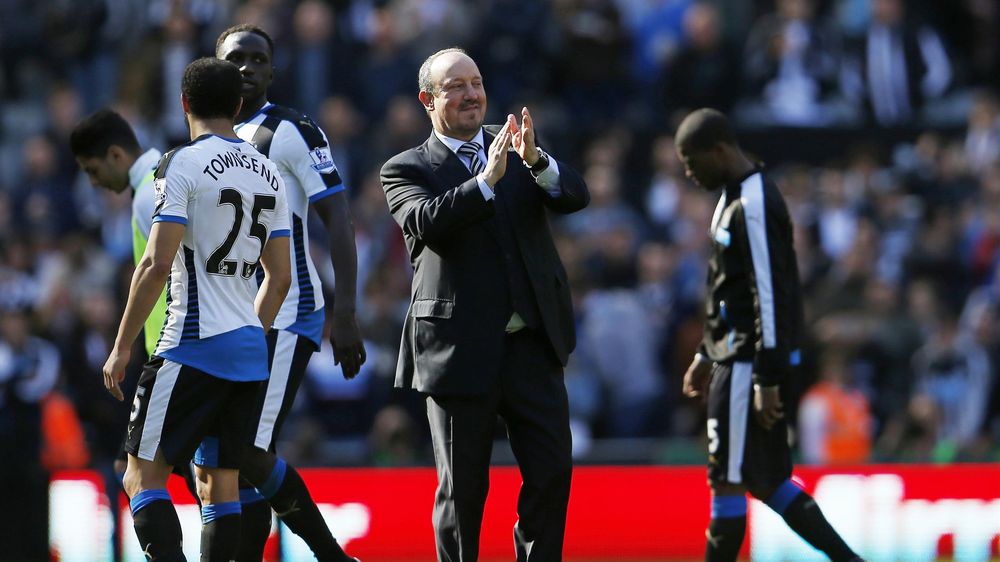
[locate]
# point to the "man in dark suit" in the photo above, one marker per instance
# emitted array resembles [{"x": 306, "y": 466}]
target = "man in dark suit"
[{"x": 490, "y": 324}]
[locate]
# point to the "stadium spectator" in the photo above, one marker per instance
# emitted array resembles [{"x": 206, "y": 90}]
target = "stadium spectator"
[
  {"x": 591, "y": 66},
  {"x": 705, "y": 72},
  {"x": 835, "y": 423},
  {"x": 29, "y": 370},
  {"x": 982, "y": 138},
  {"x": 897, "y": 66},
  {"x": 386, "y": 65},
  {"x": 663, "y": 195},
  {"x": 339, "y": 116},
  {"x": 792, "y": 66},
  {"x": 322, "y": 61},
  {"x": 953, "y": 372},
  {"x": 622, "y": 342}
]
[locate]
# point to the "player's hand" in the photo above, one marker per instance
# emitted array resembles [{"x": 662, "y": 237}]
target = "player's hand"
[
  {"x": 767, "y": 406},
  {"x": 523, "y": 139},
  {"x": 496, "y": 163},
  {"x": 114, "y": 371},
  {"x": 348, "y": 349},
  {"x": 697, "y": 377}
]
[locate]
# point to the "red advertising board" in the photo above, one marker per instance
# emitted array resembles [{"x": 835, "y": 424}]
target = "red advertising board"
[
  {"x": 910, "y": 513},
  {"x": 614, "y": 513}
]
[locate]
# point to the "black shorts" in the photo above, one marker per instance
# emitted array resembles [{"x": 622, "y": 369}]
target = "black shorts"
[
  {"x": 187, "y": 413},
  {"x": 288, "y": 354},
  {"x": 740, "y": 450}
]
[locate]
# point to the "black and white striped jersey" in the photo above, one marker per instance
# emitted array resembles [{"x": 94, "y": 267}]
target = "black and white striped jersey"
[
  {"x": 753, "y": 304},
  {"x": 232, "y": 201},
  {"x": 301, "y": 152}
]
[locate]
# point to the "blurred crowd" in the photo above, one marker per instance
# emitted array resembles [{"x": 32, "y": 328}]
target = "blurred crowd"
[{"x": 898, "y": 221}]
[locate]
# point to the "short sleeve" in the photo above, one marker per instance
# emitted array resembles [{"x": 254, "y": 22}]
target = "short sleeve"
[
  {"x": 173, "y": 189},
  {"x": 310, "y": 160},
  {"x": 280, "y": 224}
]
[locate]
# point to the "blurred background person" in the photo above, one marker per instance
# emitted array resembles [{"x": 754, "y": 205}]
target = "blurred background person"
[
  {"x": 835, "y": 422},
  {"x": 29, "y": 370}
]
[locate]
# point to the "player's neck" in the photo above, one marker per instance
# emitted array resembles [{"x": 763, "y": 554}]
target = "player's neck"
[
  {"x": 216, "y": 126},
  {"x": 250, "y": 107},
  {"x": 740, "y": 168}
]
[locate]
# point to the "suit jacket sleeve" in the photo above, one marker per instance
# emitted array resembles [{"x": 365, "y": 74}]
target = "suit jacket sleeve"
[
  {"x": 424, "y": 215},
  {"x": 572, "y": 195}
]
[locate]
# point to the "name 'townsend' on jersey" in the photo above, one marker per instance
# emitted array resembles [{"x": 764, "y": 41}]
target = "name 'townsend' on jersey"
[
  {"x": 232, "y": 201},
  {"x": 301, "y": 152}
]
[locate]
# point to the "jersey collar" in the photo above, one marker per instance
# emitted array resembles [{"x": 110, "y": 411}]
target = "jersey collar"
[
  {"x": 735, "y": 185},
  {"x": 263, "y": 108},
  {"x": 143, "y": 166}
]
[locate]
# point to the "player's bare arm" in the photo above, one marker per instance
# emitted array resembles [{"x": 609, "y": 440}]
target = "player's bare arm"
[
  {"x": 275, "y": 260},
  {"x": 345, "y": 336},
  {"x": 147, "y": 283}
]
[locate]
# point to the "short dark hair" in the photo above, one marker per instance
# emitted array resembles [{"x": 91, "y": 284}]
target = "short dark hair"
[
  {"x": 97, "y": 132},
  {"x": 241, "y": 28},
  {"x": 212, "y": 88},
  {"x": 704, "y": 128},
  {"x": 424, "y": 74}
]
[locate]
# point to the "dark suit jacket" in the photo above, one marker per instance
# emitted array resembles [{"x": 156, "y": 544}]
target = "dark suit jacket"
[{"x": 453, "y": 335}]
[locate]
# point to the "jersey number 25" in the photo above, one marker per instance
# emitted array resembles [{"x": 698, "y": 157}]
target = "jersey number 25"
[{"x": 217, "y": 262}]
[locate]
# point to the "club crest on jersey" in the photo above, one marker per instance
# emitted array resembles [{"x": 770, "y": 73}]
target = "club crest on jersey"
[{"x": 322, "y": 162}]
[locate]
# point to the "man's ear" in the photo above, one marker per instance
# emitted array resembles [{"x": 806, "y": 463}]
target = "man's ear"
[
  {"x": 115, "y": 153},
  {"x": 721, "y": 151},
  {"x": 426, "y": 100},
  {"x": 239, "y": 106},
  {"x": 184, "y": 104}
]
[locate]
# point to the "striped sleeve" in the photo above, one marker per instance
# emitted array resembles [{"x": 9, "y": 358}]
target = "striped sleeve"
[
  {"x": 173, "y": 187},
  {"x": 774, "y": 279},
  {"x": 311, "y": 160}
]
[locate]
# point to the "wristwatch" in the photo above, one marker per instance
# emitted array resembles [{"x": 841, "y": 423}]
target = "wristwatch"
[{"x": 541, "y": 164}]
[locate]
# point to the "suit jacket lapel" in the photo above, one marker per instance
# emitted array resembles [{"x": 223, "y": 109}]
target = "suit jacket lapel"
[
  {"x": 445, "y": 163},
  {"x": 452, "y": 171}
]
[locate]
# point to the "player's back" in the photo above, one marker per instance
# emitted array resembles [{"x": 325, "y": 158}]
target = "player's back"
[
  {"x": 301, "y": 152},
  {"x": 232, "y": 200}
]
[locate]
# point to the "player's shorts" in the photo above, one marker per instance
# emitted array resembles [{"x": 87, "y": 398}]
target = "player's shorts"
[
  {"x": 288, "y": 354},
  {"x": 187, "y": 413},
  {"x": 740, "y": 450}
]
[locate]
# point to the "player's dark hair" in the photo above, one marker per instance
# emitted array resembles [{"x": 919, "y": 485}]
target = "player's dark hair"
[
  {"x": 94, "y": 135},
  {"x": 241, "y": 28},
  {"x": 212, "y": 88},
  {"x": 704, "y": 128}
]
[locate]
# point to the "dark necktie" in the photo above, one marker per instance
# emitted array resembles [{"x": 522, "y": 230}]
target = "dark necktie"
[{"x": 471, "y": 151}]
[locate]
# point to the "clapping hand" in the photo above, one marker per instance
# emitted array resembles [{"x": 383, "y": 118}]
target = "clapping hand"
[
  {"x": 496, "y": 163},
  {"x": 523, "y": 139}
]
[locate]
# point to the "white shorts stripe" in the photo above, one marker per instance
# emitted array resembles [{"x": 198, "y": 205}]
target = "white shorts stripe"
[
  {"x": 753, "y": 210},
  {"x": 156, "y": 409},
  {"x": 740, "y": 383},
  {"x": 281, "y": 367}
]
